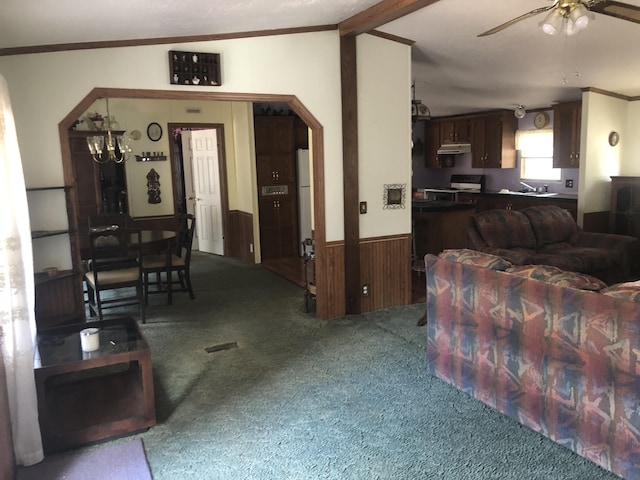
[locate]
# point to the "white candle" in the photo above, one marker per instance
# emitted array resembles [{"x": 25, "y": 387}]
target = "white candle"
[{"x": 90, "y": 339}]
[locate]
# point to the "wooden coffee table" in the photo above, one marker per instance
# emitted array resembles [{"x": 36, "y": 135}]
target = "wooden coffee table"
[{"x": 84, "y": 397}]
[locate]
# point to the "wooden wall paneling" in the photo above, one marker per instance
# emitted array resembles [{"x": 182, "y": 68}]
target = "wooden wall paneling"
[
  {"x": 330, "y": 299},
  {"x": 386, "y": 269},
  {"x": 241, "y": 236},
  {"x": 596, "y": 222}
]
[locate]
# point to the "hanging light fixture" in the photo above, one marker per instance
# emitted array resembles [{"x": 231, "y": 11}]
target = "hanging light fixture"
[
  {"x": 109, "y": 148},
  {"x": 569, "y": 17},
  {"x": 419, "y": 111}
]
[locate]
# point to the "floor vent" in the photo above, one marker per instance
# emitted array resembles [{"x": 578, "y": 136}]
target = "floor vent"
[{"x": 222, "y": 346}]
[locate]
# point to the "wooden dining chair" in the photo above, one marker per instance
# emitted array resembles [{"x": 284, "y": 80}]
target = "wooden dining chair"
[
  {"x": 116, "y": 266},
  {"x": 176, "y": 260}
]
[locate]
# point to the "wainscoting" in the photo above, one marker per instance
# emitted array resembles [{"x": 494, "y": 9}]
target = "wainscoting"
[
  {"x": 240, "y": 236},
  {"x": 385, "y": 267}
]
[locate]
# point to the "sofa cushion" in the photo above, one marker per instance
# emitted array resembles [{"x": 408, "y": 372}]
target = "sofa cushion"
[
  {"x": 560, "y": 260},
  {"x": 475, "y": 258},
  {"x": 505, "y": 229},
  {"x": 627, "y": 291},
  {"x": 517, "y": 256},
  {"x": 594, "y": 259},
  {"x": 551, "y": 224},
  {"x": 557, "y": 276}
]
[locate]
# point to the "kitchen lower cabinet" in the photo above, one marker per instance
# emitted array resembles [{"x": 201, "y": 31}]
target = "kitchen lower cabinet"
[
  {"x": 436, "y": 231},
  {"x": 278, "y": 227},
  {"x": 503, "y": 201}
]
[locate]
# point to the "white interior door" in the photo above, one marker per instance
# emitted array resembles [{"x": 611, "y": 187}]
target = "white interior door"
[
  {"x": 206, "y": 190},
  {"x": 187, "y": 161}
]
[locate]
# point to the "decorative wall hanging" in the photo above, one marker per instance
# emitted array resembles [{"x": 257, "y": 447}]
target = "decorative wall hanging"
[
  {"x": 394, "y": 195},
  {"x": 192, "y": 68},
  {"x": 153, "y": 186}
]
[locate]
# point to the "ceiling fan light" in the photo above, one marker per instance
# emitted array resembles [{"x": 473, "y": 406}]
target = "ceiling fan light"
[
  {"x": 553, "y": 23},
  {"x": 579, "y": 16},
  {"x": 519, "y": 112}
]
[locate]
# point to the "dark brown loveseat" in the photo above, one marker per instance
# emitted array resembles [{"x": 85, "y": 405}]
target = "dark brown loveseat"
[{"x": 548, "y": 235}]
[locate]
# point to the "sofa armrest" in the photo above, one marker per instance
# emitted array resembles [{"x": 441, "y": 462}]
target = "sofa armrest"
[
  {"x": 612, "y": 241},
  {"x": 474, "y": 239}
]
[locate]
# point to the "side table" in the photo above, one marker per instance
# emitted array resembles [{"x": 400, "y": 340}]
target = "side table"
[{"x": 84, "y": 397}]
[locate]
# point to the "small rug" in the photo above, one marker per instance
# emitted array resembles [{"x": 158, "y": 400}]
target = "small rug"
[{"x": 124, "y": 461}]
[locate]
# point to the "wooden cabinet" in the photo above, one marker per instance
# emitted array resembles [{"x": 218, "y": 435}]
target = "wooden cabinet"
[
  {"x": 276, "y": 170},
  {"x": 567, "y": 118},
  {"x": 431, "y": 144},
  {"x": 99, "y": 187},
  {"x": 624, "y": 212},
  {"x": 58, "y": 294},
  {"x": 455, "y": 130},
  {"x": 493, "y": 143}
]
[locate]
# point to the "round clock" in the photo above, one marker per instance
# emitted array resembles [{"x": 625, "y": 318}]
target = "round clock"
[
  {"x": 154, "y": 131},
  {"x": 541, "y": 120},
  {"x": 614, "y": 138}
]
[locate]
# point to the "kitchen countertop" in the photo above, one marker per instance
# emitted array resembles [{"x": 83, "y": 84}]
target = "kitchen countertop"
[{"x": 439, "y": 205}]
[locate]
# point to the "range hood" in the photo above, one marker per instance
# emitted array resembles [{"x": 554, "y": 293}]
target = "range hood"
[{"x": 454, "y": 148}]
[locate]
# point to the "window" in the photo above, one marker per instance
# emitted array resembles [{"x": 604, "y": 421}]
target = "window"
[{"x": 536, "y": 155}]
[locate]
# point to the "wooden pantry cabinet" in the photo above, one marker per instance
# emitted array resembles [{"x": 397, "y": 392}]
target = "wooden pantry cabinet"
[
  {"x": 275, "y": 140},
  {"x": 567, "y": 121}
]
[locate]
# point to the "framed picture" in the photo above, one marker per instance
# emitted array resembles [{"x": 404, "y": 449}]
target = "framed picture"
[{"x": 394, "y": 195}]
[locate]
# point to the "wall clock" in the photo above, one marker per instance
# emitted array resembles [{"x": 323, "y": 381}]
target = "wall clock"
[
  {"x": 541, "y": 120},
  {"x": 154, "y": 131}
]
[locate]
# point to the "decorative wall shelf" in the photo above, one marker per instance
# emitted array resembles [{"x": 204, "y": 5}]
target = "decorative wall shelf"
[
  {"x": 193, "y": 68},
  {"x": 151, "y": 158}
]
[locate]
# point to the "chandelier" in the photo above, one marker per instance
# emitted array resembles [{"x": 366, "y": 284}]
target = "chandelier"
[
  {"x": 569, "y": 17},
  {"x": 109, "y": 147}
]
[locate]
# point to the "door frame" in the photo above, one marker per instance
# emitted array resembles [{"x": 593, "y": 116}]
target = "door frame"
[
  {"x": 330, "y": 273},
  {"x": 177, "y": 172}
]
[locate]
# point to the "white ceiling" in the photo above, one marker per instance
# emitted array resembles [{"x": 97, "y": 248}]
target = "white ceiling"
[{"x": 454, "y": 71}]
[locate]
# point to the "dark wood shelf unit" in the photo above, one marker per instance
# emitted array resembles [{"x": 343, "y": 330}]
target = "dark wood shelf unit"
[{"x": 59, "y": 298}]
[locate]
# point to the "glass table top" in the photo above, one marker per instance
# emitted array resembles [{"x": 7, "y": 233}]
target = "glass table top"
[{"x": 61, "y": 345}]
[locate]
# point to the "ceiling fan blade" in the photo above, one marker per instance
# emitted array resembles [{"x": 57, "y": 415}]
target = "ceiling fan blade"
[
  {"x": 513, "y": 21},
  {"x": 620, "y": 10}
]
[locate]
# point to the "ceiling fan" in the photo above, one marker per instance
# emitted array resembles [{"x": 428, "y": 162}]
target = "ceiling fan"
[{"x": 573, "y": 14}]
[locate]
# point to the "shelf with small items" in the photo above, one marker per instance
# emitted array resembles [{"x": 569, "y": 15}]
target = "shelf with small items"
[
  {"x": 150, "y": 158},
  {"x": 193, "y": 68}
]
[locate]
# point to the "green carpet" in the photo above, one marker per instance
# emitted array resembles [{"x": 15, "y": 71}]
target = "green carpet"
[{"x": 305, "y": 399}]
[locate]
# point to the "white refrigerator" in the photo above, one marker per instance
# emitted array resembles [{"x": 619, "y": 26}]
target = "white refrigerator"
[{"x": 304, "y": 197}]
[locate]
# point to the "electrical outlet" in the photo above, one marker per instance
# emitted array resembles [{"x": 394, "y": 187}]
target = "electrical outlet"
[
  {"x": 568, "y": 183},
  {"x": 363, "y": 207},
  {"x": 365, "y": 290}
]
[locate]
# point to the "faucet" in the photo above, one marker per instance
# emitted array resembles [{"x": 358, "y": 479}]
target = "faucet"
[{"x": 529, "y": 187}]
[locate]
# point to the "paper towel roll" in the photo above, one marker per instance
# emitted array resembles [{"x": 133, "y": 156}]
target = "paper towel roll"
[{"x": 90, "y": 339}]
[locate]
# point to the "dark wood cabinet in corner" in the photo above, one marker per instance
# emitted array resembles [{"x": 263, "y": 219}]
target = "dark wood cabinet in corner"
[
  {"x": 58, "y": 292},
  {"x": 624, "y": 212},
  {"x": 567, "y": 121},
  {"x": 277, "y": 188},
  {"x": 100, "y": 187},
  {"x": 493, "y": 140}
]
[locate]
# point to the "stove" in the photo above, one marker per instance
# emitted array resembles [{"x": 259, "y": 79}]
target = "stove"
[{"x": 458, "y": 183}]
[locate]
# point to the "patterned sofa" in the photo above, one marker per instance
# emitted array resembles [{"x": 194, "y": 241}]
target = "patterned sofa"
[
  {"x": 548, "y": 235},
  {"x": 558, "y": 359}
]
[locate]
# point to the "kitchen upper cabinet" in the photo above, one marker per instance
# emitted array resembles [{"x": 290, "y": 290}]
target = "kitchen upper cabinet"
[
  {"x": 431, "y": 144},
  {"x": 493, "y": 140},
  {"x": 275, "y": 150},
  {"x": 567, "y": 118},
  {"x": 455, "y": 130}
]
